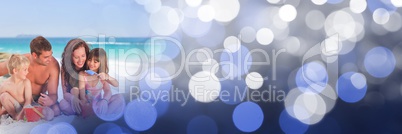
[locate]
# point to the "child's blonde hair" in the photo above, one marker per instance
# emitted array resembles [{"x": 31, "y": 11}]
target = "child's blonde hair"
[{"x": 17, "y": 61}]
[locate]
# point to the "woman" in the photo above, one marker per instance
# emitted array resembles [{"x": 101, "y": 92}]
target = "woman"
[{"x": 73, "y": 61}]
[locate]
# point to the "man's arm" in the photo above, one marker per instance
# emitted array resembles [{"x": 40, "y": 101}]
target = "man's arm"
[
  {"x": 53, "y": 81},
  {"x": 106, "y": 89}
]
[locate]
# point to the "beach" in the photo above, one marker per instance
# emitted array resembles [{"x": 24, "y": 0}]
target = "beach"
[
  {"x": 10, "y": 126},
  {"x": 70, "y": 123}
]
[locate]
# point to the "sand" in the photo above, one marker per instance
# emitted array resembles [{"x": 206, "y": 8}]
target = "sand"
[
  {"x": 10, "y": 126},
  {"x": 71, "y": 124}
]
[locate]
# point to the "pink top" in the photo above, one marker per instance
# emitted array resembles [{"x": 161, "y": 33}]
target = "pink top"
[{"x": 93, "y": 92}]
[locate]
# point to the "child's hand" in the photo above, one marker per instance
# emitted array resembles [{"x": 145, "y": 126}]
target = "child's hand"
[{"x": 103, "y": 76}]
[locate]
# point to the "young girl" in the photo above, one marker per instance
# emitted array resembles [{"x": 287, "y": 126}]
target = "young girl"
[{"x": 90, "y": 87}]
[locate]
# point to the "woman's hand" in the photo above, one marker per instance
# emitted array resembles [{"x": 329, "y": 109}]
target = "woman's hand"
[{"x": 75, "y": 103}]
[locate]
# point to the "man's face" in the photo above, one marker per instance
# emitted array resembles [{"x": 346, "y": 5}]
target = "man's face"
[{"x": 45, "y": 58}]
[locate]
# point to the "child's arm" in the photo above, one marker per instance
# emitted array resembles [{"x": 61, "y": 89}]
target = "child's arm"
[
  {"x": 3, "y": 68},
  {"x": 27, "y": 92},
  {"x": 103, "y": 103},
  {"x": 107, "y": 92},
  {"x": 106, "y": 77},
  {"x": 112, "y": 81},
  {"x": 27, "y": 96}
]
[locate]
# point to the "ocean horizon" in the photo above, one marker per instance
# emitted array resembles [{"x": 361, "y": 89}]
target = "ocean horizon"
[{"x": 21, "y": 45}]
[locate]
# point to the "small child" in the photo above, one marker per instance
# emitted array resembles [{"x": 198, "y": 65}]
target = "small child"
[
  {"x": 90, "y": 86},
  {"x": 16, "y": 92}
]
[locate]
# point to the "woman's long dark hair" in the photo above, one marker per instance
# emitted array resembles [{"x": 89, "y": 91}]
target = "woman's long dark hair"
[{"x": 67, "y": 65}]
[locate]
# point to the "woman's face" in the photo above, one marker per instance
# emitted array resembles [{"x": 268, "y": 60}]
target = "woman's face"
[{"x": 79, "y": 57}]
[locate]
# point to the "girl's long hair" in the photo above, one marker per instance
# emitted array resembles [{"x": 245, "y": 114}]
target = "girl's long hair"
[{"x": 99, "y": 55}]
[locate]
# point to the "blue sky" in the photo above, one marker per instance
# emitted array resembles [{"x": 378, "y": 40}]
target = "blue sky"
[{"x": 73, "y": 18}]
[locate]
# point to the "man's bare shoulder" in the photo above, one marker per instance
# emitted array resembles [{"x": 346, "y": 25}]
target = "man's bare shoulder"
[
  {"x": 54, "y": 64},
  {"x": 28, "y": 55}
]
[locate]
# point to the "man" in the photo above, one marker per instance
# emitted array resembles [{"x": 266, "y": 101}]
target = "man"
[{"x": 43, "y": 73}]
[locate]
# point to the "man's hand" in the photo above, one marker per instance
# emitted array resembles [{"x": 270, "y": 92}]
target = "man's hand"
[{"x": 45, "y": 100}]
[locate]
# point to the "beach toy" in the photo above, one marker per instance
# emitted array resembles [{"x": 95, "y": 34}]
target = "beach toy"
[
  {"x": 90, "y": 72},
  {"x": 34, "y": 114}
]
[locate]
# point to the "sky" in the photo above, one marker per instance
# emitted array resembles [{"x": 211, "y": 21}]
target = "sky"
[{"x": 72, "y": 18}]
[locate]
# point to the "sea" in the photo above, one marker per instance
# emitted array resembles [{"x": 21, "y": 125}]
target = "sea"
[{"x": 21, "y": 45}]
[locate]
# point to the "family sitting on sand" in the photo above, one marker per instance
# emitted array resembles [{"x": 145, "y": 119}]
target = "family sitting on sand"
[{"x": 34, "y": 79}]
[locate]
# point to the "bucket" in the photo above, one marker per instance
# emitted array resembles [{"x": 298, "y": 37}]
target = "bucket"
[{"x": 33, "y": 114}]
